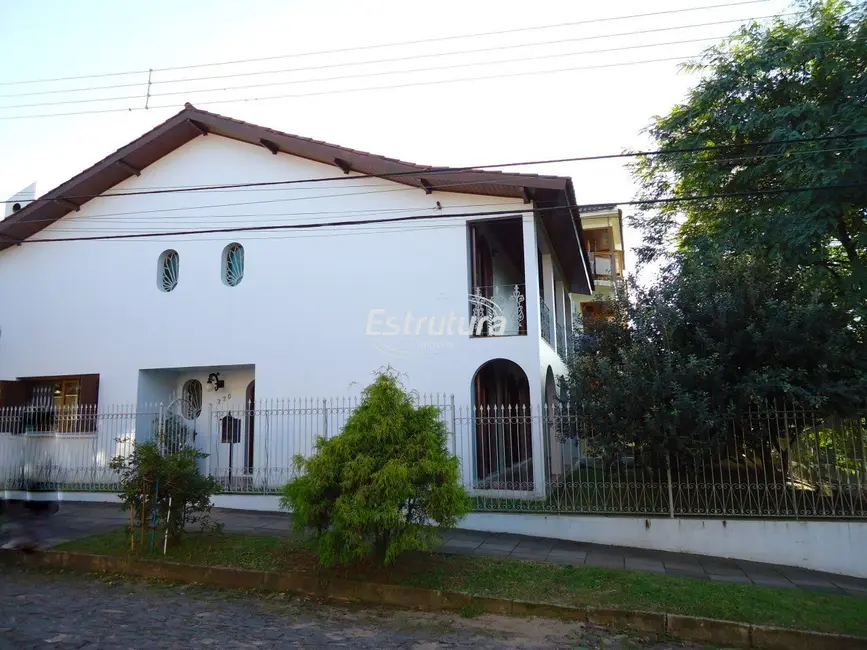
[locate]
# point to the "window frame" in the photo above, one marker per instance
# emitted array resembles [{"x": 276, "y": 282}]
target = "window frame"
[
  {"x": 192, "y": 408},
  {"x": 168, "y": 278},
  {"x": 232, "y": 270}
]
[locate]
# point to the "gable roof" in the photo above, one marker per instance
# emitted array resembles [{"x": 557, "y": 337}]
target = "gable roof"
[{"x": 555, "y": 192}]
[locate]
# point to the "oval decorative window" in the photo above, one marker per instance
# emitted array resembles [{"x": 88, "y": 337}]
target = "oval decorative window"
[
  {"x": 192, "y": 399},
  {"x": 169, "y": 267},
  {"x": 233, "y": 264}
]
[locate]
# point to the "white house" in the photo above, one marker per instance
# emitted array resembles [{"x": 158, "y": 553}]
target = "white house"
[{"x": 222, "y": 263}]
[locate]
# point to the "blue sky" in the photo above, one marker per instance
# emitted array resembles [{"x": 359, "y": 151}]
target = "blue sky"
[{"x": 528, "y": 117}]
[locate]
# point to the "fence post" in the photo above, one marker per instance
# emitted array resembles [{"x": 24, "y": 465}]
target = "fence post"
[
  {"x": 670, "y": 490},
  {"x": 454, "y": 427},
  {"x": 209, "y": 441},
  {"x": 161, "y": 424},
  {"x": 325, "y": 417}
]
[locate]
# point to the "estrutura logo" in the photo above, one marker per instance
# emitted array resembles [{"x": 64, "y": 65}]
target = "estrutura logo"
[{"x": 487, "y": 318}]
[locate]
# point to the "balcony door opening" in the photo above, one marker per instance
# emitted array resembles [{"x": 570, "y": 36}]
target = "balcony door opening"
[
  {"x": 504, "y": 447},
  {"x": 497, "y": 285},
  {"x": 606, "y": 261}
]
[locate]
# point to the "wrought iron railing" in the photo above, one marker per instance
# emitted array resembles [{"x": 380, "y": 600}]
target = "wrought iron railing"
[
  {"x": 561, "y": 341},
  {"x": 547, "y": 322},
  {"x": 498, "y": 310},
  {"x": 784, "y": 463}
]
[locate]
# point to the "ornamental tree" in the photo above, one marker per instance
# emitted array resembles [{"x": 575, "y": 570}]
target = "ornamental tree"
[{"x": 379, "y": 487}]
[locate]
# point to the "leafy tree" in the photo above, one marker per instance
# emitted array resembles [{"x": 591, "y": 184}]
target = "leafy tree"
[
  {"x": 794, "y": 78},
  {"x": 680, "y": 360},
  {"x": 376, "y": 488},
  {"x": 169, "y": 483}
]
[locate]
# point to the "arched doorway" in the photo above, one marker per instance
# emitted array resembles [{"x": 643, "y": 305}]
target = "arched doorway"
[
  {"x": 503, "y": 431},
  {"x": 250, "y": 415},
  {"x": 554, "y": 445}
]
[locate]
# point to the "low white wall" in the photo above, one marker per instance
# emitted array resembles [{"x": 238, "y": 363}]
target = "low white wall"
[{"x": 832, "y": 546}]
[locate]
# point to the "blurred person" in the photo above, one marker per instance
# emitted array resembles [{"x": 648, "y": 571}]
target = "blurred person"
[{"x": 25, "y": 519}]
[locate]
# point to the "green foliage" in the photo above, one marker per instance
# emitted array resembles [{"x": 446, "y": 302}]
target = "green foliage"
[
  {"x": 376, "y": 488},
  {"x": 156, "y": 478},
  {"x": 761, "y": 295},
  {"x": 683, "y": 358},
  {"x": 800, "y": 77}
]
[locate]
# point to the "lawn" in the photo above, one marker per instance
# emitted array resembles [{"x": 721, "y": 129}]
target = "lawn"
[{"x": 515, "y": 579}]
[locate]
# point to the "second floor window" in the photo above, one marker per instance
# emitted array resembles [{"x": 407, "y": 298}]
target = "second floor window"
[
  {"x": 169, "y": 268},
  {"x": 233, "y": 264}
]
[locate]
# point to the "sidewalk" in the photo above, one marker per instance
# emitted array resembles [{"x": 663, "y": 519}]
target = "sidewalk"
[{"x": 76, "y": 520}]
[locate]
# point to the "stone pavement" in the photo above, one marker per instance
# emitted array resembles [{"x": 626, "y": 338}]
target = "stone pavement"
[
  {"x": 77, "y": 520},
  {"x": 66, "y": 611}
]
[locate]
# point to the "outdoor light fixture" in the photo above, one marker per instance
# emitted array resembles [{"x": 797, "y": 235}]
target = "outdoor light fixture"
[{"x": 215, "y": 381}]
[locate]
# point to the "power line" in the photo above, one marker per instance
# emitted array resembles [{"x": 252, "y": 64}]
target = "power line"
[
  {"x": 138, "y": 215},
  {"x": 390, "y": 60},
  {"x": 393, "y": 44},
  {"x": 380, "y": 73},
  {"x": 391, "y": 189},
  {"x": 417, "y": 217},
  {"x": 446, "y": 170},
  {"x": 135, "y": 109},
  {"x": 230, "y": 189}
]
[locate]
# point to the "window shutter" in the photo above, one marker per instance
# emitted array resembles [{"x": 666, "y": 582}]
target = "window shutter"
[
  {"x": 88, "y": 399},
  {"x": 12, "y": 393}
]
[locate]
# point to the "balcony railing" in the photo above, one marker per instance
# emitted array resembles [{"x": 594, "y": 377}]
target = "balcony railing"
[
  {"x": 606, "y": 266},
  {"x": 565, "y": 342},
  {"x": 547, "y": 321},
  {"x": 498, "y": 310},
  {"x": 74, "y": 419},
  {"x": 561, "y": 341}
]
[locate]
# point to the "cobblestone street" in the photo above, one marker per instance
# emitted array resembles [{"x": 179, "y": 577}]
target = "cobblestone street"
[{"x": 62, "y": 611}]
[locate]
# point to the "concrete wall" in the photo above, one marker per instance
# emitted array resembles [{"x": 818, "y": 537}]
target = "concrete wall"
[
  {"x": 301, "y": 311},
  {"x": 833, "y": 546}
]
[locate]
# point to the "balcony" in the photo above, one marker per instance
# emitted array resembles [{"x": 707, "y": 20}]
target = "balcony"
[
  {"x": 606, "y": 267},
  {"x": 498, "y": 310}
]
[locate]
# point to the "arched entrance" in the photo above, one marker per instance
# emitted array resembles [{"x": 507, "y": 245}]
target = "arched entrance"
[
  {"x": 250, "y": 414},
  {"x": 554, "y": 445},
  {"x": 504, "y": 446}
]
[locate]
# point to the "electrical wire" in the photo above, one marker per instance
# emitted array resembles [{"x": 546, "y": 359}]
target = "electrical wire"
[
  {"x": 293, "y": 188},
  {"x": 344, "y": 64},
  {"x": 136, "y": 109},
  {"x": 385, "y": 45},
  {"x": 418, "y": 217},
  {"x": 138, "y": 215},
  {"x": 380, "y": 73},
  {"x": 445, "y": 170}
]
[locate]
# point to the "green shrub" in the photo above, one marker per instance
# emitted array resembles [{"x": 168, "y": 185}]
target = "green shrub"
[
  {"x": 160, "y": 479},
  {"x": 377, "y": 488}
]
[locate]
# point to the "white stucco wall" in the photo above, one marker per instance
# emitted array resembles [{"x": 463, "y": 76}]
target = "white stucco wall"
[
  {"x": 833, "y": 546},
  {"x": 299, "y": 315}
]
